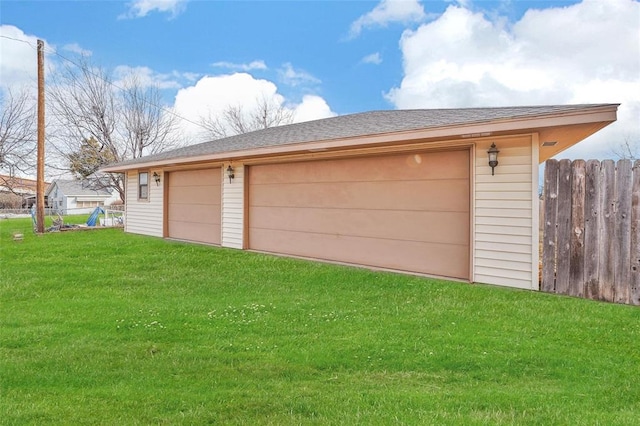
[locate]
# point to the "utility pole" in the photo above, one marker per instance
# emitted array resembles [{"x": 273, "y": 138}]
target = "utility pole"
[{"x": 40, "y": 174}]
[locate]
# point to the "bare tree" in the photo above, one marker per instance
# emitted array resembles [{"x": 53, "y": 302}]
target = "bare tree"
[
  {"x": 236, "y": 120},
  {"x": 146, "y": 128},
  {"x": 627, "y": 149},
  {"x": 126, "y": 122},
  {"x": 17, "y": 132}
]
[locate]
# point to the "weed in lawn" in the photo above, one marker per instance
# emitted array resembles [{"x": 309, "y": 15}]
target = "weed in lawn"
[
  {"x": 148, "y": 320},
  {"x": 247, "y": 314}
]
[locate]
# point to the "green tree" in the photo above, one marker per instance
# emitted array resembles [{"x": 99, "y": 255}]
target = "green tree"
[{"x": 90, "y": 156}]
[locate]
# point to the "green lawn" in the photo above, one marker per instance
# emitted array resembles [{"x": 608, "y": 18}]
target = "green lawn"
[{"x": 102, "y": 327}]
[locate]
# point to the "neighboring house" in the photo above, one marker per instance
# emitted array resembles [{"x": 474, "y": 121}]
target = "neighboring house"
[
  {"x": 22, "y": 187},
  {"x": 78, "y": 197},
  {"x": 405, "y": 190}
]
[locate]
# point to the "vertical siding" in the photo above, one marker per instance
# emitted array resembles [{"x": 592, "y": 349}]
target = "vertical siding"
[
  {"x": 504, "y": 221},
  {"x": 144, "y": 217},
  {"x": 233, "y": 207}
]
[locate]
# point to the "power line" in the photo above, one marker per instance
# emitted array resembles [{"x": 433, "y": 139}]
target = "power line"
[
  {"x": 17, "y": 39},
  {"x": 111, "y": 83}
]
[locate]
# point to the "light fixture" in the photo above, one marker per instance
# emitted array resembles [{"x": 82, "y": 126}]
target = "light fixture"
[
  {"x": 493, "y": 157},
  {"x": 230, "y": 173},
  {"x": 156, "y": 177}
]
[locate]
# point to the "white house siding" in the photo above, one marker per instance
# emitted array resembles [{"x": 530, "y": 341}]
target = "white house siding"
[
  {"x": 144, "y": 217},
  {"x": 504, "y": 220},
  {"x": 233, "y": 207}
]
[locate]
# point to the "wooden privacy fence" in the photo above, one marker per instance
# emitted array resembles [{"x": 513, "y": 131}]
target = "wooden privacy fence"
[{"x": 591, "y": 243}]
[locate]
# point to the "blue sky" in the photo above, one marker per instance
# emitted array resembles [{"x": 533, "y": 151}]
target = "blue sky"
[{"x": 322, "y": 58}]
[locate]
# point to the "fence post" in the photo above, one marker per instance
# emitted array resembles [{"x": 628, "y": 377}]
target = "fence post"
[{"x": 549, "y": 234}]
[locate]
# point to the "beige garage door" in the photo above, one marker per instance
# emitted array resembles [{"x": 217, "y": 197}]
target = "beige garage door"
[
  {"x": 194, "y": 205},
  {"x": 408, "y": 212}
]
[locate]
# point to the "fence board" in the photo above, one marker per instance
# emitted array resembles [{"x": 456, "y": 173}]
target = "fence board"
[
  {"x": 591, "y": 245},
  {"x": 623, "y": 231},
  {"x": 634, "y": 258},
  {"x": 549, "y": 233},
  {"x": 563, "y": 237},
  {"x": 576, "y": 243},
  {"x": 607, "y": 231},
  {"x": 591, "y": 229}
]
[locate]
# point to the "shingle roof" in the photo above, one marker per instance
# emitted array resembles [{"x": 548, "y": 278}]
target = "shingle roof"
[
  {"x": 361, "y": 124},
  {"x": 78, "y": 187}
]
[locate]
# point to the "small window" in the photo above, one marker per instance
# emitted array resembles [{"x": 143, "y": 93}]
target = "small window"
[{"x": 143, "y": 185}]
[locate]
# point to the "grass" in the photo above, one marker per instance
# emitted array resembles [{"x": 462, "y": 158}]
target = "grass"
[{"x": 102, "y": 327}]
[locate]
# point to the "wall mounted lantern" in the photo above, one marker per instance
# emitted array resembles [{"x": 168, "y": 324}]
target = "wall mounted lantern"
[
  {"x": 230, "y": 173},
  {"x": 156, "y": 177},
  {"x": 493, "y": 157}
]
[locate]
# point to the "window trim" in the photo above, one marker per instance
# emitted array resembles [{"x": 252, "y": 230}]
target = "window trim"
[{"x": 140, "y": 185}]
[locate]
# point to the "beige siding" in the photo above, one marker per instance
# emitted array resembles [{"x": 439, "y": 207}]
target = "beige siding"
[
  {"x": 144, "y": 217},
  {"x": 504, "y": 219},
  {"x": 233, "y": 208}
]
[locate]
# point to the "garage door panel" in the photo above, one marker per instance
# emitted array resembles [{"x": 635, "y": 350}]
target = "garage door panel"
[
  {"x": 198, "y": 232},
  {"x": 195, "y": 213},
  {"x": 438, "y": 227},
  {"x": 405, "y": 211},
  {"x": 202, "y": 194},
  {"x": 394, "y": 195},
  {"x": 435, "y": 166},
  {"x": 429, "y": 258},
  {"x": 193, "y": 206}
]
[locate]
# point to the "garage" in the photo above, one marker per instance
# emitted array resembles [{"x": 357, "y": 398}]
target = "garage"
[
  {"x": 405, "y": 211},
  {"x": 193, "y": 207}
]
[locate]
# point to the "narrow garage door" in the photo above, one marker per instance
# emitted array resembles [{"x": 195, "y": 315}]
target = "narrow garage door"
[
  {"x": 408, "y": 212},
  {"x": 194, "y": 205}
]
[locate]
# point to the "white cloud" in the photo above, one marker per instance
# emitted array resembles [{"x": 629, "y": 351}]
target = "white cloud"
[
  {"x": 389, "y": 11},
  {"x": 312, "y": 107},
  {"x": 191, "y": 77},
  {"x": 373, "y": 58},
  {"x": 253, "y": 65},
  {"x": 213, "y": 94},
  {"x": 76, "y": 48},
  {"x": 141, "y": 8},
  {"x": 584, "y": 53},
  {"x": 146, "y": 77},
  {"x": 18, "y": 66},
  {"x": 296, "y": 77}
]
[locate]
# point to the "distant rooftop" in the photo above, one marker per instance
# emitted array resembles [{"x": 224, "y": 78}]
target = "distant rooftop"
[
  {"x": 19, "y": 184},
  {"x": 79, "y": 187}
]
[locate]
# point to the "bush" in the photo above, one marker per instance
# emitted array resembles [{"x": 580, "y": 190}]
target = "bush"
[{"x": 10, "y": 201}]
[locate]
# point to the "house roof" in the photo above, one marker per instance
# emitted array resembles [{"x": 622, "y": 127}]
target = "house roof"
[
  {"x": 19, "y": 185},
  {"x": 358, "y": 126},
  {"x": 78, "y": 188}
]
